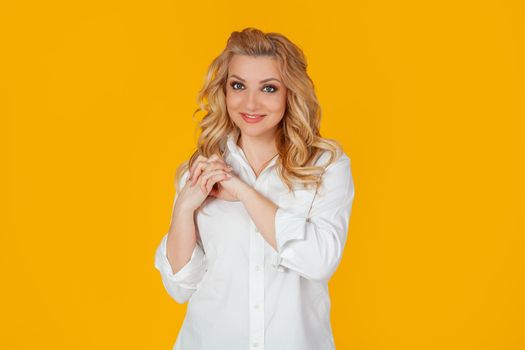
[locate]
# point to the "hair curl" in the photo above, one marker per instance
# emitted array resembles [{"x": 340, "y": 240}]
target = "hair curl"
[{"x": 299, "y": 141}]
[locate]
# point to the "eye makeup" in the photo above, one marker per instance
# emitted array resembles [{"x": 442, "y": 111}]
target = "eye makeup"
[{"x": 275, "y": 89}]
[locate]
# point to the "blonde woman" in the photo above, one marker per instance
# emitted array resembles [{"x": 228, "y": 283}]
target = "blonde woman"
[{"x": 261, "y": 209}]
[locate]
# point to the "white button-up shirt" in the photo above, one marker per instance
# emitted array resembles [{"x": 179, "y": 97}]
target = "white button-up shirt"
[{"x": 242, "y": 293}]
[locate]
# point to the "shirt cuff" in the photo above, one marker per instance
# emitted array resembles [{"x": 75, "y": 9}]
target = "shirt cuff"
[
  {"x": 189, "y": 275},
  {"x": 288, "y": 227}
]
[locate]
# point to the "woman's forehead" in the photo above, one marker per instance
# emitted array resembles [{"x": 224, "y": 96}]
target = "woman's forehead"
[{"x": 250, "y": 67}]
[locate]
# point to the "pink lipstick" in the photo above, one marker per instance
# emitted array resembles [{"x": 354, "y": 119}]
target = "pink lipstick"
[{"x": 252, "y": 118}]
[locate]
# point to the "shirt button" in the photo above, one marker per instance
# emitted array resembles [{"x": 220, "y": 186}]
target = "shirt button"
[
  {"x": 257, "y": 268},
  {"x": 278, "y": 267},
  {"x": 255, "y": 344},
  {"x": 256, "y": 306}
]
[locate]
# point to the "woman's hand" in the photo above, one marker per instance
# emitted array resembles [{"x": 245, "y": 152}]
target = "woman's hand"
[
  {"x": 197, "y": 187},
  {"x": 229, "y": 189},
  {"x": 205, "y": 171}
]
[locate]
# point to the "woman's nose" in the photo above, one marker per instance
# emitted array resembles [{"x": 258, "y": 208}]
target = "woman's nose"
[{"x": 252, "y": 101}]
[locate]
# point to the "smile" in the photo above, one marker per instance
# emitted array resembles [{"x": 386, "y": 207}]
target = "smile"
[{"x": 252, "y": 118}]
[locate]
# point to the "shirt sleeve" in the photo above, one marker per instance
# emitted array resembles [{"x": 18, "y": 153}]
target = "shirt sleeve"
[
  {"x": 181, "y": 285},
  {"x": 313, "y": 246}
]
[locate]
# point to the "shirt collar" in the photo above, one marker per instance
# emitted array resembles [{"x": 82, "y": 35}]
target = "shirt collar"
[
  {"x": 231, "y": 142},
  {"x": 231, "y": 145}
]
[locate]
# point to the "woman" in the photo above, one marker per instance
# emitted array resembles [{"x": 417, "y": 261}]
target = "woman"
[{"x": 262, "y": 207}]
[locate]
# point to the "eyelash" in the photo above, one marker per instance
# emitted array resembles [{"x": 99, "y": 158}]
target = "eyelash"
[{"x": 271, "y": 86}]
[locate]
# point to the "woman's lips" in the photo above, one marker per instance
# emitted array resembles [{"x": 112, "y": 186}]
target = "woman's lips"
[{"x": 252, "y": 120}]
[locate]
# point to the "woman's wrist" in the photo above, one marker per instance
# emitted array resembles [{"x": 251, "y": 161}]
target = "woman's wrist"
[
  {"x": 183, "y": 210},
  {"x": 246, "y": 193}
]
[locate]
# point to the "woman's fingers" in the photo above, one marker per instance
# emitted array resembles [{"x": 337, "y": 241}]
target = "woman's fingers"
[
  {"x": 220, "y": 163},
  {"x": 215, "y": 179},
  {"x": 210, "y": 166},
  {"x": 199, "y": 159},
  {"x": 209, "y": 179},
  {"x": 200, "y": 165},
  {"x": 199, "y": 169},
  {"x": 213, "y": 157},
  {"x": 202, "y": 182}
]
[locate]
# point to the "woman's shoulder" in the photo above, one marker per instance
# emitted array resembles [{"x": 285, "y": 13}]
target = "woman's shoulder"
[
  {"x": 339, "y": 156},
  {"x": 337, "y": 175}
]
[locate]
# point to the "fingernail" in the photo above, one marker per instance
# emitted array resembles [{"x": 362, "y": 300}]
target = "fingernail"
[{"x": 229, "y": 175}]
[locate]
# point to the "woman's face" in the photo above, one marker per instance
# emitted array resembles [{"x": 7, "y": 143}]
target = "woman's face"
[{"x": 254, "y": 88}]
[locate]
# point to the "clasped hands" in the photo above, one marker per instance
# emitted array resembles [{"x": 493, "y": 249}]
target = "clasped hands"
[{"x": 216, "y": 178}]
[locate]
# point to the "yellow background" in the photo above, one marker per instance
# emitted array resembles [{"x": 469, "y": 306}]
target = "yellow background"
[{"x": 427, "y": 98}]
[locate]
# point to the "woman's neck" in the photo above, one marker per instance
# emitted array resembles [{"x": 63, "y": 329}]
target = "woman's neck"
[{"x": 258, "y": 150}]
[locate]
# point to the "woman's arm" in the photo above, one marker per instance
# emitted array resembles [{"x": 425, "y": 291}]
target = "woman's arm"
[
  {"x": 262, "y": 211},
  {"x": 182, "y": 237},
  {"x": 180, "y": 260},
  {"x": 311, "y": 246}
]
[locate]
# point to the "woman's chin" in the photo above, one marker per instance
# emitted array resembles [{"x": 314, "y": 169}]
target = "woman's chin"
[{"x": 257, "y": 132}]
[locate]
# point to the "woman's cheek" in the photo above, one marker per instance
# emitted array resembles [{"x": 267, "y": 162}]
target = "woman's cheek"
[
  {"x": 233, "y": 101},
  {"x": 278, "y": 104}
]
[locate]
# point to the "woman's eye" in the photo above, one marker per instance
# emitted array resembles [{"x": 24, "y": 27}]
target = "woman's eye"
[
  {"x": 238, "y": 86},
  {"x": 234, "y": 84},
  {"x": 271, "y": 87}
]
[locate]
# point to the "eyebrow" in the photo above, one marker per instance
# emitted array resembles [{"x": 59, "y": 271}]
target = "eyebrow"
[{"x": 262, "y": 81}]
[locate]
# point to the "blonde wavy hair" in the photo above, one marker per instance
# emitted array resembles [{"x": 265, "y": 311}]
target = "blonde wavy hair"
[{"x": 299, "y": 141}]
